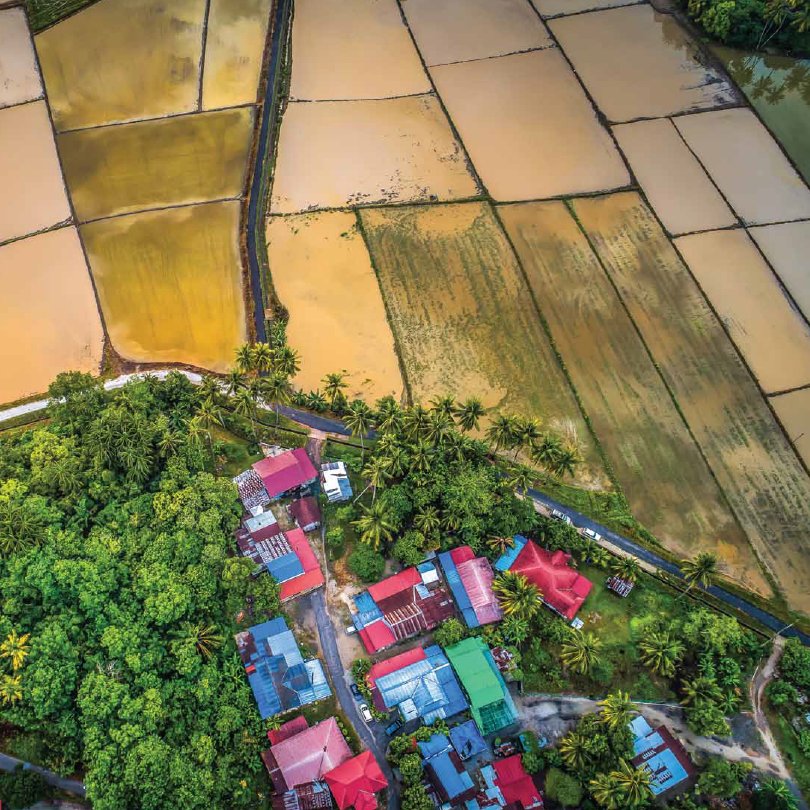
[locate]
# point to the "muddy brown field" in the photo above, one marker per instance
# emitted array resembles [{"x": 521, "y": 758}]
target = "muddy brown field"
[
  {"x": 746, "y": 449},
  {"x": 551, "y": 8},
  {"x": 793, "y": 410},
  {"x": 19, "y": 77},
  {"x": 323, "y": 276},
  {"x": 528, "y": 127}
]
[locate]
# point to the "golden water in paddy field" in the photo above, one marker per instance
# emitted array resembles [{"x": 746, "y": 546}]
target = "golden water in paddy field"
[
  {"x": 458, "y": 30},
  {"x": 323, "y": 276},
  {"x": 339, "y": 153},
  {"x": 549, "y": 8},
  {"x": 747, "y": 165},
  {"x": 32, "y": 193},
  {"x": 19, "y": 77},
  {"x": 637, "y": 63},
  {"x": 152, "y": 164},
  {"x": 669, "y": 486},
  {"x": 170, "y": 283},
  {"x": 746, "y": 449},
  {"x": 120, "y": 60},
  {"x": 353, "y": 49},
  {"x": 463, "y": 317},
  {"x": 678, "y": 189},
  {"x": 49, "y": 321},
  {"x": 787, "y": 248},
  {"x": 772, "y": 336},
  {"x": 793, "y": 410},
  {"x": 234, "y": 48},
  {"x": 528, "y": 127}
]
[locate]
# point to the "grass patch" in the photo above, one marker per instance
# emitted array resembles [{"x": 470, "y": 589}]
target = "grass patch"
[
  {"x": 239, "y": 453},
  {"x": 43, "y": 13},
  {"x": 323, "y": 709},
  {"x": 798, "y": 763}
]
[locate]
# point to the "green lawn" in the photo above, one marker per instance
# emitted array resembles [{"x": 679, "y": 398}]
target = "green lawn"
[{"x": 798, "y": 763}]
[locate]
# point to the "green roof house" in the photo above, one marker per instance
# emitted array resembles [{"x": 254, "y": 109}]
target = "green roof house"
[{"x": 491, "y": 704}]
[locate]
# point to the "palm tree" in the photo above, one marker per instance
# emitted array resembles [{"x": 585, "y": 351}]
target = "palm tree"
[
  {"x": 605, "y": 791},
  {"x": 421, "y": 457},
  {"x": 600, "y": 557},
  {"x": 699, "y": 571},
  {"x": 234, "y": 381},
  {"x": 501, "y": 433},
  {"x": 389, "y": 414},
  {"x": 209, "y": 415},
  {"x": 516, "y": 629},
  {"x": 169, "y": 442},
  {"x": 245, "y": 358},
  {"x": 445, "y": 405},
  {"x": 333, "y": 386},
  {"x": 627, "y": 568},
  {"x": 778, "y": 795},
  {"x": 210, "y": 387},
  {"x": 427, "y": 520},
  {"x": 617, "y": 709},
  {"x": 567, "y": 461},
  {"x": 581, "y": 652},
  {"x": 416, "y": 421},
  {"x": 633, "y": 784},
  {"x": 439, "y": 425},
  {"x": 518, "y": 596},
  {"x": 469, "y": 413},
  {"x": 397, "y": 459},
  {"x": 376, "y": 472},
  {"x": 275, "y": 389},
  {"x": 521, "y": 478},
  {"x": 457, "y": 446},
  {"x": 16, "y": 648},
  {"x": 574, "y": 748},
  {"x": 700, "y": 690},
  {"x": 359, "y": 419},
  {"x": 245, "y": 405},
  {"x": 10, "y": 689},
  {"x": 205, "y": 638},
  {"x": 263, "y": 357},
  {"x": 286, "y": 362},
  {"x": 545, "y": 451},
  {"x": 661, "y": 653},
  {"x": 527, "y": 433},
  {"x": 374, "y": 525},
  {"x": 500, "y": 544},
  {"x": 316, "y": 401}
]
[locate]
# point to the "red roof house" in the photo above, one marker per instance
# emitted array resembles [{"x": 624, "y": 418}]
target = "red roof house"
[
  {"x": 288, "y": 729},
  {"x": 306, "y": 513},
  {"x": 354, "y": 782},
  {"x": 312, "y": 577},
  {"x": 305, "y": 757},
  {"x": 285, "y": 472},
  {"x": 564, "y": 589},
  {"x": 515, "y": 783}
]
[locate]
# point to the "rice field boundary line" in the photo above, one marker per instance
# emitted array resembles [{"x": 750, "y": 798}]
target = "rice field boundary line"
[
  {"x": 790, "y": 390},
  {"x": 161, "y": 208},
  {"x": 736, "y": 227},
  {"x": 375, "y": 205},
  {"x": 55, "y": 227},
  {"x": 156, "y": 118},
  {"x": 586, "y": 10},
  {"x": 726, "y": 105},
  {"x": 203, "y": 45},
  {"x": 293, "y": 100},
  {"x": 495, "y": 56},
  {"x": 397, "y": 348},
  {"x": 456, "y": 134},
  {"x": 40, "y": 97},
  {"x": 765, "y": 570}
]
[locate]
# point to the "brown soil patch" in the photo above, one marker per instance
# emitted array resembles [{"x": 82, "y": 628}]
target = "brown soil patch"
[
  {"x": 19, "y": 77},
  {"x": 638, "y": 63},
  {"x": 50, "y": 321},
  {"x": 675, "y": 184},
  {"x": 528, "y": 127},
  {"x": 793, "y": 410}
]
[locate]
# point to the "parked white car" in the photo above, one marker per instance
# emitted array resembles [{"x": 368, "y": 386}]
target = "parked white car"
[
  {"x": 365, "y": 712},
  {"x": 591, "y": 535},
  {"x": 558, "y": 515}
]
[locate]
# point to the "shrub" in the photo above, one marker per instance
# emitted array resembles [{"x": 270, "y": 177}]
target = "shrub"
[
  {"x": 563, "y": 789},
  {"x": 449, "y": 633},
  {"x": 335, "y": 541},
  {"x": 366, "y": 563},
  {"x": 21, "y": 788}
]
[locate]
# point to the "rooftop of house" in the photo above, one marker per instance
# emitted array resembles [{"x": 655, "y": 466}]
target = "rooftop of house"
[
  {"x": 564, "y": 589},
  {"x": 278, "y": 675},
  {"x": 286, "y": 471},
  {"x": 355, "y": 782},
  {"x": 447, "y": 773},
  {"x": 470, "y": 580},
  {"x": 251, "y": 490},
  {"x": 335, "y": 481},
  {"x": 310, "y": 576},
  {"x": 663, "y": 755},
  {"x": 515, "y": 784},
  {"x": 467, "y": 740},
  {"x": 305, "y": 511}
]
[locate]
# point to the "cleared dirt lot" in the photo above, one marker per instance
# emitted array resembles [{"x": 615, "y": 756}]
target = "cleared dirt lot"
[
  {"x": 637, "y": 63},
  {"x": 669, "y": 486},
  {"x": 338, "y": 153},
  {"x": 32, "y": 192},
  {"x": 678, "y": 189},
  {"x": 747, "y": 165},
  {"x": 529, "y": 129},
  {"x": 19, "y": 77},
  {"x": 170, "y": 283},
  {"x": 772, "y": 336},
  {"x": 234, "y": 47},
  {"x": 459, "y": 30},
  {"x": 50, "y": 321},
  {"x": 353, "y": 49},
  {"x": 323, "y": 276},
  {"x": 152, "y": 164},
  {"x": 746, "y": 449},
  {"x": 122, "y": 60},
  {"x": 463, "y": 316}
]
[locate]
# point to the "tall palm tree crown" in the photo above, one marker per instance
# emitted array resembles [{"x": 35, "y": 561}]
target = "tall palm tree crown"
[
  {"x": 375, "y": 525},
  {"x": 15, "y": 647},
  {"x": 581, "y": 652},
  {"x": 518, "y": 596},
  {"x": 700, "y": 570},
  {"x": 661, "y": 653},
  {"x": 617, "y": 709},
  {"x": 469, "y": 413}
]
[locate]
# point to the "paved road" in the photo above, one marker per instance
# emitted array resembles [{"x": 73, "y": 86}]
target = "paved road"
[
  {"x": 73, "y": 786},
  {"x": 376, "y": 740}
]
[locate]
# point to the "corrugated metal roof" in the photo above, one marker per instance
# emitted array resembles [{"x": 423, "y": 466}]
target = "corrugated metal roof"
[
  {"x": 507, "y": 559},
  {"x": 467, "y": 740},
  {"x": 457, "y": 589},
  {"x": 286, "y": 567}
]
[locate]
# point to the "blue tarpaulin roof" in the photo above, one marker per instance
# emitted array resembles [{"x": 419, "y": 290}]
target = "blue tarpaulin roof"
[
  {"x": 367, "y": 610},
  {"x": 467, "y": 740},
  {"x": 507, "y": 559},
  {"x": 286, "y": 567},
  {"x": 458, "y": 590}
]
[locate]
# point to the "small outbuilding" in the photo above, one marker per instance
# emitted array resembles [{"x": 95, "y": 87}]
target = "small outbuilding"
[{"x": 306, "y": 513}]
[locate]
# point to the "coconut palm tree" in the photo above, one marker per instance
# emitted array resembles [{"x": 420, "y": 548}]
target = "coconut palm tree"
[
  {"x": 209, "y": 414},
  {"x": 627, "y": 568},
  {"x": 286, "y": 362},
  {"x": 700, "y": 690},
  {"x": 10, "y": 689},
  {"x": 376, "y": 472},
  {"x": 359, "y": 419},
  {"x": 205, "y": 638},
  {"x": 605, "y": 791},
  {"x": 500, "y": 544},
  {"x": 501, "y": 434},
  {"x": 574, "y": 749},
  {"x": 245, "y": 358},
  {"x": 334, "y": 384},
  {"x": 581, "y": 652},
  {"x": 445, "y": 405},
  {"x": 518, "y": 596},
  {"x": 439, "y": 426},
  {"x": 316, "y": 401},
  {"x": 661, "y": 653},
  {"x": 416, "y": 422},
  {"x": 545, "y": 451},
  {"x": 263, "y": 357},
  {"x": 469, "y": 413},
  {"x": 520, "y": 479},
  {"x": 516, "y": 629},
  {"x": 245, "y": 405},
  {"x": 699, "y": 571},
  {"x": 633, "y": 784},
  {"x": 617, "y": 709},
  {"x": 600, "y": 557},
  {"x": 210, "y": 387},
  {"x": 275, "y": 388},
  {"x": 389, "y": 414},
  {"x": 457, "y": 446},
  {"x": 777, "y": 795},
  {"x": 15, "y": 648},
  {"x": 527, "y": 433},
  {"x": 567, "y": 461},
  {"x": 421, "y": 457},
  {"x": 397, "y": 459},
  {"x": 427, "y": 520},
  {"x": 374, "y": 525}
]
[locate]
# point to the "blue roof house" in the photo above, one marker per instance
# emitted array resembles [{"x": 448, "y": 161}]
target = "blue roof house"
[
  {"x": 450, "y": 778},
  {"x": 279, "y": 676},
  {"x": 663, "y": 756}
]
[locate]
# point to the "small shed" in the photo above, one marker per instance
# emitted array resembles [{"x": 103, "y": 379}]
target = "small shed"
[
  {"x": 620, "y": 586},
  {"x": 306, "y": 513}
]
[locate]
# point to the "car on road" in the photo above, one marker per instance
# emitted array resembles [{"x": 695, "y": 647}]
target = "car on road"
[
  {"x": 558, "y": 515},
  {"x": 591, "y": 535},
  {"x": 350, "y": 629},
  {"x": 365, "y": 713},
  {"x": 355, "y": 690},
  {"x": 393, "y": 727}
]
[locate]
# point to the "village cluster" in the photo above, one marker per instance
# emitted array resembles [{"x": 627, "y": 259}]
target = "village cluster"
[{"x": 477, "y": 762}]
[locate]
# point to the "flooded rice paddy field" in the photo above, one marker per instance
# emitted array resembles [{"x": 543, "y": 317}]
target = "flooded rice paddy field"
[
  {"x": 152, "y": 164},
  {"x": 19, "y": 77},
  {"x": 657, "y": 462},
  {"x": 772, "y": 336},
  {"x": 556, "y": 100},
  {"x": 170, "y": 283},
  {"x": 463, "y": 316},
  {"x": 323, "y": 274}
]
